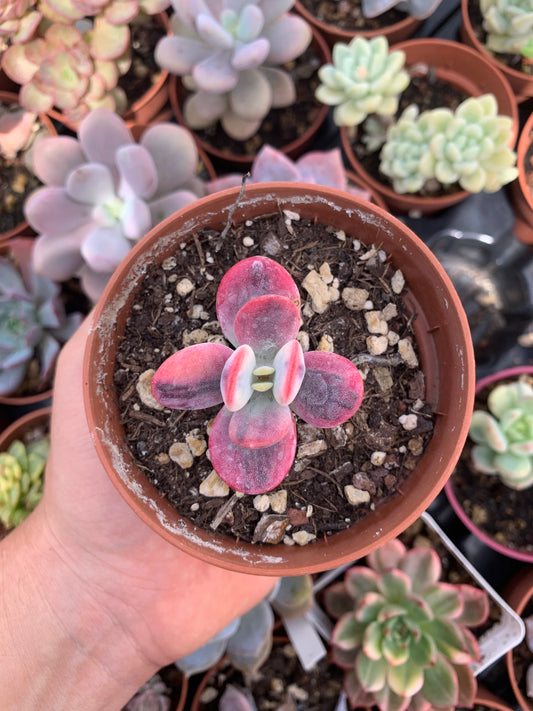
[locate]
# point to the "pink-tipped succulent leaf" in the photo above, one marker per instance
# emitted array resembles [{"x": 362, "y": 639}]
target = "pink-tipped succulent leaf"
[{"x": 253, "y": 438}]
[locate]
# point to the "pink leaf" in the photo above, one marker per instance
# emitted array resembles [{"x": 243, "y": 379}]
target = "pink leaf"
[
  {"x": 271, "y": 164},
  {"x": 323, "y": 168},
  {"x": 260, "y": 423},
  {"x": 252, "y": 471},
  {"x": 249, "y": 278},
  {"x": 55, "y": 157},
  {"x": 236, "y": 379},
  {"x": 266, "y": 323},
  {"x": 289, "y": 366},
  {"x": 331, "y": 391},
  {"x": 190, "y": 379}
]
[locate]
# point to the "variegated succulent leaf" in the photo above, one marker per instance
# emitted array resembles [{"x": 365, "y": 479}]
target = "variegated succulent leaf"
[
  {"x": 21, "y": 479},
  {"x": 294, "y": 596},
  {"x": 406, "y": 633},
  {"x": 252, "y": 441},
  {"x": 508, "y": 24},
  {"x": 419, "y": 9},
  {"x": 503, "y": 435}
]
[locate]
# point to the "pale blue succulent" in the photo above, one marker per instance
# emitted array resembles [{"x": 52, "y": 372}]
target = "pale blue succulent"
[
  {"x": 508, "y": 24},
  {"x": 419, "y": 9},
  {"x": 229, "y": 54}
]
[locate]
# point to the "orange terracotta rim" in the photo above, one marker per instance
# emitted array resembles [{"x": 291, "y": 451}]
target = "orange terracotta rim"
[
  {"x": 16, "y": 429},
  {"x": 441, "y": 331}
]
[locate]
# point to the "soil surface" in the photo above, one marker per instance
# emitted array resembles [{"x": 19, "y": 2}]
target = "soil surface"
[
  {"x": 373, "y": 452},
  {"x": 144, "y": 71},
  {"x": 347, "y": 15},
  {"x": 502, "y": 513}
]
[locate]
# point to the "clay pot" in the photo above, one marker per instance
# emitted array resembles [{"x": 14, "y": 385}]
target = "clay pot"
[
  {"x": 454, "y": 495},
  {"x": 441, "y": 331},
  {"x": 521, "y": 195},
  {"x": 396, "y": 32},
  {"x": 521, "y": 84},
  {"x": 489, "y": 701},
  {"x": 234, "y": 161},
  {"x": 8, "y": 98},
  {"x": 518, "y": 594},
  {"x": 463, "y": 68},
  {"x": 23, "y": 424}
]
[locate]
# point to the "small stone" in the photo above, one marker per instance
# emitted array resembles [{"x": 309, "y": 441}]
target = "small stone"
[
  {"x": 197, "y": 311},
  {"x": 370, "y": 254},
  {"x": 272, "y": 245},
  {"x": 213, "y": 486},
  {"x": 408, "y": 422},
  {"x": 144, "y": 390},
  {"x": 325, "y": 273},
  {"x": 321, "y": 294},
  {"x": 209, "y": 694},
  {"x": 339, "y": 436},
  {"x": 377, "y": 458},
  {"x": 197, "y": 444},
  {"x": 326, "y": 344},
  {"x": 416, "y": 446},
  {"x": 291, "y": 215},
  {"x": 195, "y": 506},
  {"x": 287, "y": 541},
  {"x": 168, "y": 263},
  {"x": 383, "y": 378},
  {"x": 407, "y": 353},
  {"x": 390, "y": 311},
  {"x": 278, "y": 501},
  {"x": 354, "y": 299},
  {"x": 180, "y": 453},
  {"x": 311, "y": 449},
  {"x": 375, "y": 323},
  {"x": 184, "y": 287},
  {"x": 356, "y": 497},
  {"x": 377, "y": 345},
  {"x": 277, "y": 685},
  {"x": 270, "y": 529},
  {"x": 297, "y": 517},
  {"x": 162, "y": 458},
  {"x": 341, "y": 235},
  {"x": 261, "y": 502},
  {"x": 397, "y": 282},
  {"x": 303, "y": 339},
  {"x": 297, "y": 692},
  {"x": 302, "y": 538},
  {"x": 393, "y": 338},
  {"x": 248, "y": 242},
  {"x": 361, "y": 480},
  {"x": 197, "y": 335}
]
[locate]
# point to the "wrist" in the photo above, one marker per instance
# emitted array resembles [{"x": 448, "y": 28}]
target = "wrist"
[{"x": 74, "y": 645}]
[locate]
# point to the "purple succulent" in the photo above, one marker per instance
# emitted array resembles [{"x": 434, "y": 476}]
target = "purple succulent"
[
  {"x": 103, "y": 191},
  {"x": 252, "y": 441}
]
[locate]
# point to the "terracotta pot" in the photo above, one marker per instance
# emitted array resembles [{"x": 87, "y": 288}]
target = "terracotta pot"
[
  {"x": 147, "y": 107},
  {"x": 489, "y": 701},
  {"x": 23, "y": 424},
  {"x": 518, "y": 594},
  {"x": 454, "y": 495},
  {"x": 396, "y": 32},
  {"x": 521, "y": 84},
  {"x": 521, "y": 192},
  {"x": 463, "y": 68},
  {"x": 441, "y": 331},
  {"x": 8, "y": 98},
  {"x": 358, "y": 181},
  {"x": 229, "y": 160}
]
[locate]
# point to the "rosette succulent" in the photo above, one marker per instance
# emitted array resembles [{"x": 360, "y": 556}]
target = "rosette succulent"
[
  {"x": 503, "y": 435},
  {"x": 365, "y": 78},
  {"x": 252, "y": 441},
  {"x": 469, "y": 146},
  {"x": 19, "y": 19},
  {"x": 508, "y": 24},
  {"x": 33, "y": 322},
  {"x": 21, "y": 479},
  {"x": 420, "y": 9},
  {"x": 103, "y": 191},
  {"x": 229, "y": 53},
  {"x": 402, "y": 636}
]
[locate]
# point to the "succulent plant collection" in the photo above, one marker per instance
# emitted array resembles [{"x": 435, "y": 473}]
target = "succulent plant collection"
[
  {"x": 508, "y": 24},
  {"x": 252, "y": 441},
  {"x": 503, "y": 435}
]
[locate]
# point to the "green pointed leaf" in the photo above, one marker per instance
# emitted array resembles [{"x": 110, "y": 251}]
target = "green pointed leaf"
[
  {"x": 337, "y": 601},
  {"x": 387, "y": 699},
  {"x": 370, "y": 607},
  {"x": 448, "y": 639},
  {"x": 397, "y": 643},
  {"x": 417, "y": 610},
  {"x": 372, "y": 673},
  {"x": 395, "y": 585},
  {"x": 359, "y": 580},
  {"x": 344, "y": 658},
  {"x": 372, "y": 640},
  {"x": 422, "y": 565},
  {"x": 475, "y": 606},
  {"x": 423, "y": 651},
  {"x": 445, "y": 600},
  {"x": 387, "y": 556},
  {"x": 357, "y": 696},
  {"x": 467, "y": 685},
  {"x": 405, "y": 679},
  {"x": 441, "y": 687},
  {"x": 348, "y": 632},
  {"x": 485, "y": 429}
]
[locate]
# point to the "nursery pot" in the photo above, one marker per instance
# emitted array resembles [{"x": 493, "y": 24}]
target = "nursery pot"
[
  {"x": 23, "y": 424},
  {"x": 441, "y": 332},
  {"x": 520, "y": 189},
  {"x": 518, "y": 594},
  {"x": 521, "y": 84},
  {"x": 395, "y": 32},
  {"x": 454, "y": 494},
  {"x": 462, "y": 68}
]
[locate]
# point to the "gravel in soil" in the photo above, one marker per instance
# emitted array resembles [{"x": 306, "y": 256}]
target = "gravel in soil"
[
  {"x": 372, "y": 453},
  {"x": 348, "y": 15}
]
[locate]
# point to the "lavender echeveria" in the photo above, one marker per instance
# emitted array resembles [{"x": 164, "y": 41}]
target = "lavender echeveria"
[
  {"x": 103, "y": 191},
  {"x": 33, "y": 323},
  {"x": 252, "y": 441},
  {"x": 229, "y": 53},
  {"x": 420, "y": 9}
]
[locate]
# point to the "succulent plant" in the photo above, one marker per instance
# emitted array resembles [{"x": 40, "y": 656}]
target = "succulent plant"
[
  {"x": 528, "y": 621},
  {"x": 152, "y": 696},
  {"x": 420, "y": 9},
  {"x": 469, "y": 146},
  {"x": 21, "y": 479},
  {"x": 229, "y": 54},
  {"x": 252, "y": 441},
  {"x": 508, "y": 24},
  {"x": 33, "y": 323},
  {"x": 503, "y": 435},
  {"x": 316, "y": 167},
  {"x": 19, "y": 19},
  {"x": 365, "y": 78},
  {"x": 402, "y": 636},
  {"x": 103, "y": 191}
]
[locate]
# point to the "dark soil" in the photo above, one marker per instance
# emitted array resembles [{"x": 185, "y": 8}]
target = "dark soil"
[
  {"x": 514, "y": 61},
  {"x": 347, "y": 15},
  {"x": 427, "y": 91},
  {"x": 502, "y": 513},
  {"x": 144, "y": 71},
  {"x": 159, "y": 325},
  {"x": 528, "y": 165},
  {"x": 280, "y": 126}
]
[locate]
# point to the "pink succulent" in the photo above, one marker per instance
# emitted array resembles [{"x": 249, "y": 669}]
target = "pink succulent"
[
  {"x": 19, "y": 19},
  {"x": 252, "y": 441}
]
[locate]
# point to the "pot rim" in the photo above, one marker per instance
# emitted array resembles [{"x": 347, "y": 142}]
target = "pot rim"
[{"x": 456, "y": 356}]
